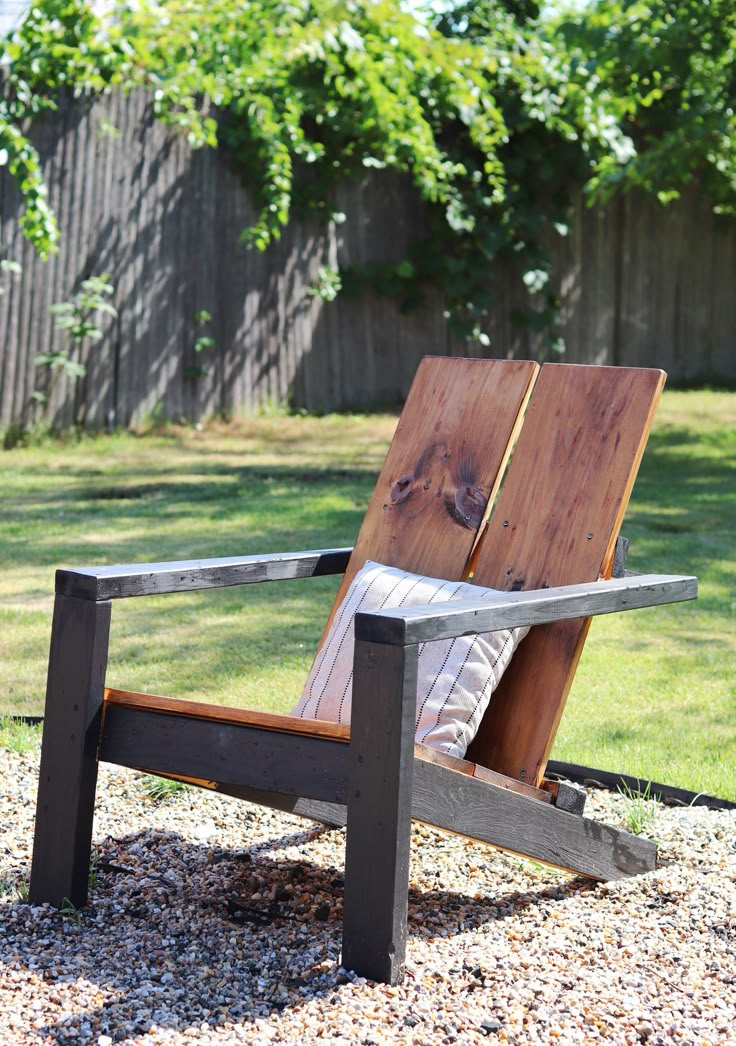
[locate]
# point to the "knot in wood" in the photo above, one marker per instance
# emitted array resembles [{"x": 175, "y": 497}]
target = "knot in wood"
[
  {"x": 467, "y": 507},
  {"x": 401, "y": 489}
]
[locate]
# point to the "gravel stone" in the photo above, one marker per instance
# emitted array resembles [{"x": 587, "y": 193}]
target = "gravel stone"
[{"x": 216, "y": 922}]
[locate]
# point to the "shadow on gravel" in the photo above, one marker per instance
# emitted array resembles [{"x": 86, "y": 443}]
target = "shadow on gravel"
[{"x": 179, "y": 935}]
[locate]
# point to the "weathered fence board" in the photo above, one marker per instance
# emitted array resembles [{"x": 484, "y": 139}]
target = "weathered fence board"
[{"x": 640, "y": 285}]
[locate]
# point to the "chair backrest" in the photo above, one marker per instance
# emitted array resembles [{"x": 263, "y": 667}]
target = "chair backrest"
[
  {"x": 555, "y": 522},
  {"x": 442, "y": 469}
]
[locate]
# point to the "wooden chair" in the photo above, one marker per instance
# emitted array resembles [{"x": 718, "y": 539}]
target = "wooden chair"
[{"x": 577, "y": 435}]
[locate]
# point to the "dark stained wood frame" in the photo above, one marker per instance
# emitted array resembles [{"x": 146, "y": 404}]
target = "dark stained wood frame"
[
  {"x": 374, "y": 781},
  {"x": 372, "y": 777}
]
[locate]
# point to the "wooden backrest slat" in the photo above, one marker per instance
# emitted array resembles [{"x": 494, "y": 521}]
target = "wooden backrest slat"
[
  {"x": 555, "y": 522},
  {"x": 451, "y": 444}
]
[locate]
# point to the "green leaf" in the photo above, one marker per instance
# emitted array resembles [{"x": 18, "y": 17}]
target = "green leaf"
[{"x": 497, "y": 112}]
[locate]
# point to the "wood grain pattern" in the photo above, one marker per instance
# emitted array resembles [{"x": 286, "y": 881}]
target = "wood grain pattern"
[
  {"x": 212, "y": 750},
  {"x": 566, "y": 796},
  {"x": 175, "y": 706},
  {"x": 556, "y": 522},
  {"x": 147, "y": 579},
  {"x": 466, "y": 617},
  {"x": 68, "y": 771},
  {"x": 455, "y": 802},
  {"x": 464, "y": 766},
  {"x": 520, "y": 825},
  {"x": 452, "y": 441},
  {"x": 379, "y": 811},
  {"x": 294, "y": 725}
]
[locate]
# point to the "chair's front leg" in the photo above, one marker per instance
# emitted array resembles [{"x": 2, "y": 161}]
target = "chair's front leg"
[
  {"x": 68, "y": 773},
  {"x": 379, "y": 810}
]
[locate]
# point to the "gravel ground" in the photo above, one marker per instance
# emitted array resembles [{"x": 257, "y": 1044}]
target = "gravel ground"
[{"x": 215, "y": 922}]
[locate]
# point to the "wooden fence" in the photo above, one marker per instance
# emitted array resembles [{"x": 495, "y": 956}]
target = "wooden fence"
[{"x": 640, "y": 285}]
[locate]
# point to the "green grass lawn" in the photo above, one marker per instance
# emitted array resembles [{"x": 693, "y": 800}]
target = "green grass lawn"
[{"x": 654, "y": 692}]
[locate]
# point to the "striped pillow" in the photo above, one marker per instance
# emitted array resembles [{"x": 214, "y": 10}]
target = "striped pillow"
[{"x": 456, "y": 676}]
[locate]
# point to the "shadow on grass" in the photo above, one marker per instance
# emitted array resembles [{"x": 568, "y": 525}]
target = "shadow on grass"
[
  {"x": 687, "y": 482},
  {"x": 280, "y": 509},
  {"x": 683, "y": 511}
]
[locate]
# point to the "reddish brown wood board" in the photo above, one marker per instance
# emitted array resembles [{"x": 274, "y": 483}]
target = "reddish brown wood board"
[
  {"x": 440, "y": 474},
  {"x": 555, "y": 522},
  {"x": 225, "y": 714}
]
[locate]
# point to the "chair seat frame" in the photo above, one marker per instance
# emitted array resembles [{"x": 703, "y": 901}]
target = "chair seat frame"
[{"x": 375, "y": 782}]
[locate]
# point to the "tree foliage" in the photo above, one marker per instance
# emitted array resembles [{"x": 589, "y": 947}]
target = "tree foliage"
[
  {"x": 665, "y": 73},
  {"x": 496, "y": 117}
]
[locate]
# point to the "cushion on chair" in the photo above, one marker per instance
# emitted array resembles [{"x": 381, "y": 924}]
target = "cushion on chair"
[{"x": 456, "y": 677}]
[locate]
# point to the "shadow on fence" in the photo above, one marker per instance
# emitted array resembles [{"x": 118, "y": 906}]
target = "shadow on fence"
[{"x": 640, "y": 285}]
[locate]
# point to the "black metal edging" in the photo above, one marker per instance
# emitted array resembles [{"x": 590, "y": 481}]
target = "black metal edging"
[{"x": 667, "y": 794}]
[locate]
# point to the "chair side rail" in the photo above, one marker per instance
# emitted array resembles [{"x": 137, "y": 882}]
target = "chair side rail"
[
  {"x": 125, "y": 580},
  {"x": 421, "y": 624}
]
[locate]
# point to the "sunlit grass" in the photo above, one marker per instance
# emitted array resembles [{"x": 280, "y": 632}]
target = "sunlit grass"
[
  {"x": 18, "y": 736},
  {"x": 268, "y": 485},
  {"x": 654, "y": 694}
]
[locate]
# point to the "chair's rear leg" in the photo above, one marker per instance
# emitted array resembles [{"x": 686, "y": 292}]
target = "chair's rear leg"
[
  {"x": 379, "y": 810},
  {"x": 68, "y": 774}
]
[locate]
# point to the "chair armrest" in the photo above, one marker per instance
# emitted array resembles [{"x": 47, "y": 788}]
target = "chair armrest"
[
  {"x": 463, "y": 617},
  {"x": 189, "y": 575}
]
